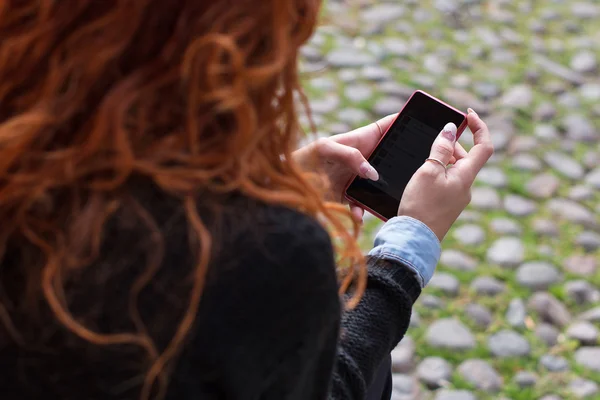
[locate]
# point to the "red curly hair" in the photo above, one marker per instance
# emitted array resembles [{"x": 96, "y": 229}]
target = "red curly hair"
[{"x": 191, "y": 94}]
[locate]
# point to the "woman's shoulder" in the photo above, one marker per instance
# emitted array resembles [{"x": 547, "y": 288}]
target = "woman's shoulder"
[{"x": 284, "y": 233}]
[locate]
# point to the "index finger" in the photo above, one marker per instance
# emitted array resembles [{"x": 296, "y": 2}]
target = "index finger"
[
  {"x": 366, "y": 138},
  {"x": 482, "y": 150}
]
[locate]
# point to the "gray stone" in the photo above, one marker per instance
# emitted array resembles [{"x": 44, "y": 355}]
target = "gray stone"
[
  {"x": 388, "y": 105},
  {"x": 479, "y": 314},
  {"x": 325, "y": 105},
  {"x": 469, "y": 216},
  {"x": 430, "y": 301},
  {"x": 353, "y": 116},
  {"x": 526, "y": 162},
  {"x": 446, "y": 283},
  {"x": 543, "y": 186},
  {"x": 516, "y": 313},
  {"x": 487, "y": 90},
  {"x": 554, "y": 363},
  {"x": 581, "y": 193},
  {"x": 546, "y": 132},
  {"x": 585, "y": 10},
  {"x": 347, "y": 75},
  {"x": 584, "y": 332},
  {"x": 550, "y": 309},
  {"x": 447, "y": 394},
  {"x": 569, "y": 101},
  {"x": 588, "y": 357},
  {"x": 545, "y": 250},
  {"x": 358, "y": 93},
  {"x": 394, "y": 89},
  {"x": 592, "y": 315},
  {"x": 584, "y": 62},
  {"x": 558, "y": 70},
  {"x": 579, "y": 128},
  {"x": 537, "y": 275},
  {"x": 485, "y": 198},
  {"x": 593, "y": 178},
  {"x": 564, "y": 164},
  {"x": 507, "y": 343},
  {"x": 547, "y": 333},
  {"x": 377, "y": 74},
  {"x": 434, "y": 372},
  {"x": 450, "y": 333},
  {"x": 506, "y": 252},
  {"x": 396, "y": 47},
  {"x": 505, "y": 226},
  {"x": 520, "y": 96},
  {"x": 415, "y": 319},
  {"x": 405, "y": 387},
  {"x": 573, "y": 212},
  {"x": 551, "y": 397},
  {"x": 522, "y": 144},
  {"x": 349, "y": 57},
  {"x": 463, "y": 98},
  {"x": 590, "y": 241},
  {"x": 525, "y": 379},
  {"x": 581, "y": 265},
  {"x": 403, "y": 356},
  {"x": 590, "y": 91},
  {"x": 323, "y": 84},
  {"x": 470, "y": 235},
  {"x": 487, "y": 285},
  {"x": 582, "y": 292},
  {"x": 457, "y": 260},
  {"x": 434, "y": 64},
  {"x": 492, "y": 176},
  {"x": 383, "y": 13},
  {"x": 545, "y": 227},
  {"x": 545, "y": 112},
  {"x": 480, "y": 374},
  {"x": 583, "y": 388},
  {"x": 519, "y": 206}
]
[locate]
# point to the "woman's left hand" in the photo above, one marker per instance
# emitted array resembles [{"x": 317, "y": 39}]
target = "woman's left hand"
[{"x": 343, "y": 156}]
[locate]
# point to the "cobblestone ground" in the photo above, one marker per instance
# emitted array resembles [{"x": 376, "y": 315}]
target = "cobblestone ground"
[{"x": 514, "y": 309}]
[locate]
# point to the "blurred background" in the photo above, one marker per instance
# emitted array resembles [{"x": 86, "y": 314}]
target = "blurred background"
[{"x": 514, "y": 309}]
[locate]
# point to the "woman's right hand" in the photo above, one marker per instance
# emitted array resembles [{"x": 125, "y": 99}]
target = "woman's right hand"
[{"x": 435, "y": 195}]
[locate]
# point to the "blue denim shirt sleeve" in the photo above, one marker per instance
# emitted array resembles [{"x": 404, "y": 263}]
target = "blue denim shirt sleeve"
[{"x": 410, "y": 242}]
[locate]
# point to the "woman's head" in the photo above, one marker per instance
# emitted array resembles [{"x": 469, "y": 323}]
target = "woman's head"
[{"x": 193, "y": 94}]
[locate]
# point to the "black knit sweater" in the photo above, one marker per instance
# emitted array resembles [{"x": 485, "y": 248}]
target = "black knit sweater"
[{"x": 270, "y": 323}]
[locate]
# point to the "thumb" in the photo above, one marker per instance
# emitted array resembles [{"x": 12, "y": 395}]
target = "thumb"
[
  {"x": 443, "y": 146},
  {"x": 350, "y": 158}
]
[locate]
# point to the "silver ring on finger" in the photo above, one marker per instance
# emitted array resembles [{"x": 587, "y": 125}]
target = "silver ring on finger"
[{"x": 435, "y": 160}]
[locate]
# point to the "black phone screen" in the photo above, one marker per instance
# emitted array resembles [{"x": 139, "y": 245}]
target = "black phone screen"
[{"x": 401, "y": 152}]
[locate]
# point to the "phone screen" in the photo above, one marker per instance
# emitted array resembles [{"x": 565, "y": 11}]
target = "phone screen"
[{"x": 402, "y": 151}]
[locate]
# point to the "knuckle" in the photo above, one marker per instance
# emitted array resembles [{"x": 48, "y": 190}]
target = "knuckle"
[
  {"x": 355, "y": 154},
  {"x": 445, "y": 150},
  {"x": 321, "y": 143},
  {"x": 488, "y": 149},
  {"x": 426, "y": 171},
  {"x": 468, "y": 196}
]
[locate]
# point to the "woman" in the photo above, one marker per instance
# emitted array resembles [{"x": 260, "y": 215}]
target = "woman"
[{"x": 162, "y": 240}]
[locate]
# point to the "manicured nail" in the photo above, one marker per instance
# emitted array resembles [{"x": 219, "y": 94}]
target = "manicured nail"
[
  {"x": 449, "y": 132},
  {"x": 471, "y": 111},
  {"x": 367, "y": 170}
]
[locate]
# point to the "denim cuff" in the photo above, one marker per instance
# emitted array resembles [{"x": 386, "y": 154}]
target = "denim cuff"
[{"x": 410, "y": 242}]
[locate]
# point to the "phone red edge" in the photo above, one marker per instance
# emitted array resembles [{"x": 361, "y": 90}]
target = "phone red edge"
[{"x": 459, "y": 132}]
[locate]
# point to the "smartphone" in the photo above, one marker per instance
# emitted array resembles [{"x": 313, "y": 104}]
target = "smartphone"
[{"x": 401, "y": 151}]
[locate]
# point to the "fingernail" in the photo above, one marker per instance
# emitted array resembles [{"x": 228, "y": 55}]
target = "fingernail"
[
  {"x": 471, "y": 111},
  {"x": 367, "y": 170},
  {"x": 449, "y": 132}
]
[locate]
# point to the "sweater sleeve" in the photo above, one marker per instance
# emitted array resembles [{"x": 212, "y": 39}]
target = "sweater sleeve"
[
  {"x": 373, "y": 328},
  {"x": 403, "y": 261}
]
